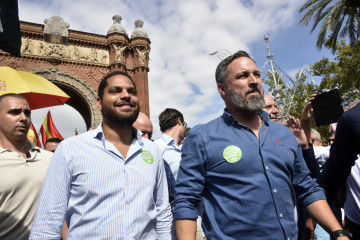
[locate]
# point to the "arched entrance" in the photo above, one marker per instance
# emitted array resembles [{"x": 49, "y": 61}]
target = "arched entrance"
[{"x": 82, "y": 96}]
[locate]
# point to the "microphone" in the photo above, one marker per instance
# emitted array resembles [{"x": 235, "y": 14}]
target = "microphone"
[{"x": 28, "y": 155}]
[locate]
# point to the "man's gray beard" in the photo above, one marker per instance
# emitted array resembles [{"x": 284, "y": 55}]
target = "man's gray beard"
[{"x": 255, "y": 103}]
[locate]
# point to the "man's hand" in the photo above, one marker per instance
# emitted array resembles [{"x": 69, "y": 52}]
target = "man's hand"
[
  {"x": 308, "y": 113},
  {"x": 295, "y": 127},
  {"x": 310, "y": 228},
  {"x": 307, "y": 116}
]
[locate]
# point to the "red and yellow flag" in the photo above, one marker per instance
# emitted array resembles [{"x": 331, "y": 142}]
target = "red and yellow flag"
[
  {"x": 48, "y": 129},
  {"x": 33, "y": 136}
]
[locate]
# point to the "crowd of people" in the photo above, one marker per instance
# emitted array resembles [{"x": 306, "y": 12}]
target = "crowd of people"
[{"x": 242, "y": 175}]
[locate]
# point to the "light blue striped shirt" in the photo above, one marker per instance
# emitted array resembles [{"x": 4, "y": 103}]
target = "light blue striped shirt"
[
  {"x": 102, "y": 195},
  {"x": 171, "y": 152}
]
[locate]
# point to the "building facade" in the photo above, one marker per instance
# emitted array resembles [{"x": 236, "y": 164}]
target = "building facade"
[{"x": 76, "y": 61}]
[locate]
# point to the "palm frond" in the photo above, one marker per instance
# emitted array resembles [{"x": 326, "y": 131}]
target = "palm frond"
[
  {"x": 308, "y": 4},
  {"x": 317, "y": 8},
  {"x": 321, "y": 17}
]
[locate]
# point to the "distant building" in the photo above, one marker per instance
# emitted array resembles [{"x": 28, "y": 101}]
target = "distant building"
[{"x": 76, "y": 61}]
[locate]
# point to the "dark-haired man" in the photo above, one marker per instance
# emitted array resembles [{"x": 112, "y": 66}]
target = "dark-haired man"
[
  {"x": 109, "y": 182},
  {"x": 247, "y": 170},
  {"x": 23, "y": 168},
  {"x": 172, "y": 126},
  {"x": 51, "y": 144}
]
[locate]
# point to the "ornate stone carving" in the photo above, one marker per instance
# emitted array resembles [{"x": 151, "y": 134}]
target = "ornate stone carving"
[
  {"x": 116, "y": 27},
  {"x": 66, "y": 52},
  {"x": 56, "y": 26},
  {"x": 119, "y": 51},
  {"x": 139, "y": 31},
  {"x": 143, "y": 56},
  {"x": 13, "y": 64},
  {"x": 78, "y": 85},
  {"x": 28, "y": 46}
]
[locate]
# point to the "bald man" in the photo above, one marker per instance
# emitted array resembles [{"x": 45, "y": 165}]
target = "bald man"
[
  {"x": 144, "y": 125},
  {"x": 271, "y": 108}
]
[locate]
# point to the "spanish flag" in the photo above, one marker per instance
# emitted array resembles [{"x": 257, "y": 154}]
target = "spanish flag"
[
  {"x": 48, "y": 129},
  {"x": 32, "y": 136}
]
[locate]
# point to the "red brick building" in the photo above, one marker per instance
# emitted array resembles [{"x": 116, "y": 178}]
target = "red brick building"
[{"x": 76, "y": 61}]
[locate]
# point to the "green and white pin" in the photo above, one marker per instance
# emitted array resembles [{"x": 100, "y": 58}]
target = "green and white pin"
[
  {"x": 232, "y": 154},
  {"x": 147, "y": 157}
]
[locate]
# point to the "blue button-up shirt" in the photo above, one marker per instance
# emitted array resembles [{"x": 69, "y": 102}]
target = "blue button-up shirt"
[
  {"x": 103, "y": 195},
  {"x": 171, "y": 152},
  {"x": 249, "y": 186}
]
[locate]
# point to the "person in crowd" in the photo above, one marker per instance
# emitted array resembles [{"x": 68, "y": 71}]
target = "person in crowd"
[
  {"x": 144, "y": 125},
  {"x": 321, "y": 155},
  {"x": 316, "y": 138},
  {"x": 51, "y": 144},
  {"x": 343, "y": 161},
  {"x": 331, "y": 138},
  {"x": 23, "y": 167},
  {"x": 247, "y": 170},
  {"x": 305, "y": 225},
  {"x": 271, "y": 108},
  {"x": 109, "y": 182},
  {"x": 172, "y": 126}
]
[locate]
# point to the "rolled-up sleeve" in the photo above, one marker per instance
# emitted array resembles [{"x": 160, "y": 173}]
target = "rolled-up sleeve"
[{"x": 191, "y": 177}]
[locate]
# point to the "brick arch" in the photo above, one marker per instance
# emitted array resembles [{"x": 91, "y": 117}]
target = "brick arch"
[{"x": 82, "y": 95}]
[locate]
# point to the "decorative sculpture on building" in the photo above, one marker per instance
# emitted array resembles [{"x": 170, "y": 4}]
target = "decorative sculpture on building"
[
  {"x": 116, "y": 27},
  {"x": 56, "y": 26},
  {"x": 139, "y": 31},
  {"x": 143, "y": 55},
  {"x": 119, "y": 51}
]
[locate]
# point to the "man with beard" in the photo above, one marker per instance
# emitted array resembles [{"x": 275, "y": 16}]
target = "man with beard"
[
  {"x": 108, "y": 183},
  {"x": 23, "y": 168},
  {"x": 247, "y": 170}
]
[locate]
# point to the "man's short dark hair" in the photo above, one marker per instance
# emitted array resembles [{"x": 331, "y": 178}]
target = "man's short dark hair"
[
  {"x": 103, "y": 82},
  {"x": 168, "y": 118},
  {"x": 11, "y": 95},
  {"x": 221, "y": 70},
  {"x": 54, "y": 140}
]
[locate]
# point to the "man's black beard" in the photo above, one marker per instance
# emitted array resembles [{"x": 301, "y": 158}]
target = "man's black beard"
[
  {"x": 122, "y": 120},
  {"x": 255, "y": 103}
]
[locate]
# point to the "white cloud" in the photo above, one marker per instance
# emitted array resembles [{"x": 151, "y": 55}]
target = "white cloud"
[{"x": 182, "y": 35}]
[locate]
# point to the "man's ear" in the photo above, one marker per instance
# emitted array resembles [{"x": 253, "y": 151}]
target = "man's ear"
[
  {"x": 98, "y": 103},
  {"x": 221, "y": 89}
]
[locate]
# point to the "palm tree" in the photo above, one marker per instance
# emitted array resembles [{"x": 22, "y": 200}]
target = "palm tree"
[{"x": 340, "y": 20}]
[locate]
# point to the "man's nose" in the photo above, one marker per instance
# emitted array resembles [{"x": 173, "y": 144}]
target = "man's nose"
[
  {"x": 124, "y": 94},
  {"x": 253, "y": 79},
  {"x": 23, "y": 116},
  {"x": 274, "y": 109}
]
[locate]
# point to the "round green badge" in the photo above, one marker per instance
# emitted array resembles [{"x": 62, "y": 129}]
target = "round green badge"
[
  {"x": 147, "y": 157},
  {"x": 232, "y": 154}
]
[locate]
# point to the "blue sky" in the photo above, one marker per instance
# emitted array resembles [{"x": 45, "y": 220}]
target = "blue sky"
[{"x": 182, "y": 35}]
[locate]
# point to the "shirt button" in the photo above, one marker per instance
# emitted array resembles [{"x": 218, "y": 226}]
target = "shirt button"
[
  {"x": 275, "y": 191},
  {"x": 267, "y": 168},
  {"x": 281, "y": 215},
  {"x": 127, "y": 233}
]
